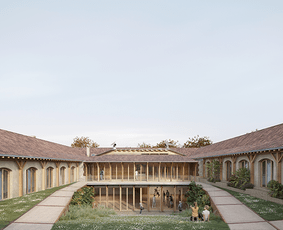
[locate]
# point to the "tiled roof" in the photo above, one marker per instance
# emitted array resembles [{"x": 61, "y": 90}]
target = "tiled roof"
[
  {"x": 269, "y": 138},
  {"x": 13, "y": 144}
]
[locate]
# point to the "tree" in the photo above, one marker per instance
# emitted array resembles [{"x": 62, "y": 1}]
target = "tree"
[
  {"x": 162, "y": 144},
  {"x": 83, "y": 142},
  {"x": 197, "y": 142},
  {"x": 144, "y": 145}
]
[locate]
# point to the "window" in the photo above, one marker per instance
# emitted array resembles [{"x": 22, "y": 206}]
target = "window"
[
  {"x": 49, "y": 177},
  {"x": 31, "y": 180},
  {"x": 72, "y": 174},
  {"x": 4, "y": 184},
  {"x": 62, "y": 175},
  {"x": 266, "y": 172},
  {"x": 228, "y": 169},
  {"x": 244, "y": 164}
]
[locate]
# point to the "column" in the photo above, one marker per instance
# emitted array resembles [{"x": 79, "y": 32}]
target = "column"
[
  {"x": 116, "y": 171},
  {"x": 221, "y": 168},
  {"x": 69, "y": 173},
  {"x": 148, "y": 199},
  {"x": 110, "y": 166},
  {"x": 234, "y": 159},
  {"x": 171, "y": 172},
  {"x": 134, "y": 171},
  {"x": 252, "y": 159},
  {"x": 153, "y": 172},
  {"x": 104, "y": 176},
  {"x": 183, "y": 172},
  {"x": 128, "y": 171},
  {"x": 159, "y": 171},
  {"x": 77, "y": 164},
  {"x": 21, "y": 165},
  {"x": 203, "y": 168},
  {"x": 134, "y": 201},
  {"x": 120, "y": 198},
  {"x": 57, "y": 173},
  {"x": 146, "y": 171},
  {"x": 161, "y": 203},
  {"x": 127, "y": 198},
  {"x": 43, "y": 165},
  {"x": 122, "y": 166},
  {"x": 195, "y": 172},
  {"x": 98, "y": 172},
  {"x": 181, "y": 194},
  {"x": 189, "y": 171},
  {"x": 107, "y": 196},
  {"x": 141, "y": 173},
  {"x": 175, "y": 198},
  {"x": 140, "y": 194}
]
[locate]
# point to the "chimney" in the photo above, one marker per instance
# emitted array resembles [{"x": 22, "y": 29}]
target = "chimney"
[{"x": 88, "y": 151}]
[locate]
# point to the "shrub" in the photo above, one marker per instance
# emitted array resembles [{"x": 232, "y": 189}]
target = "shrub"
[
  {"x": 197, "y": 194},
  {"x": 276, "y": 189},
  {"x": 84, "y": 196},
  {"x": 213, "y": 170},
  {"x": 240, "y": 179}
]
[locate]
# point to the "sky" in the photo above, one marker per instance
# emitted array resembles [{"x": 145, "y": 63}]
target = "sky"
[{"x": 140, "y": 71}]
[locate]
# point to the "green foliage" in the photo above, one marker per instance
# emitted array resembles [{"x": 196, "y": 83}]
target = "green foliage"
[
  {"x": 276, "y": 189},
  {"x": 84, "y": 196},
  {"x": 240, "y": 179},
  {"x": 197, "y": 194},
  {"x": 197, "y": 142},
  {"x": 213, "y": 170},
  {"x": 84, "y": 212}
]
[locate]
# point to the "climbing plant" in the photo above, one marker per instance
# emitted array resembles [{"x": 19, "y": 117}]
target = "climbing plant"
[{"x": 213, "y": 170}]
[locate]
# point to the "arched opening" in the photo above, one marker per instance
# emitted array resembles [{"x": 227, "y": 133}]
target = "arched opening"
[
  {"x": 31, "y": 180},
  {"x": 4, "y": 183},
  {"x": 62, "y": 175},
  {"x": 228, "y": 169},
  {"x": 49, "y": 177},
  {"x": 266, "y": 172},
  {"x": 244, "y": 164}
]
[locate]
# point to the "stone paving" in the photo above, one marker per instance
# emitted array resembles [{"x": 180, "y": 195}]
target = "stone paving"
[{"x": 233, "y": 212}]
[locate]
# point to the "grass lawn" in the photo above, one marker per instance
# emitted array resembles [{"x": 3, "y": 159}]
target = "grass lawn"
[
  {"x": 11, "y": 209},
  {"x": 87, "y": 218},
  {"x": 266, "y": 209}
]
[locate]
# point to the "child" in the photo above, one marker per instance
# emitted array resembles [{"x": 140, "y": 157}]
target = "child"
[{"x": 206, "y": 213}]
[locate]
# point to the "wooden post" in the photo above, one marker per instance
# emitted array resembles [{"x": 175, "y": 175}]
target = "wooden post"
[
  {"x": 148, "y": 199},
  {"x": 146, "y": 171},
  {"x": 252, "y": 159},
  {"x": 140, "y": 194},
  {"x": 122, "y": 166},
  {"x": 21, "y": 165},
  {"x": 107, "y": 196},
  {"x": 221, "y": 168},
  {"x": 278, "y": 159},
  {"x": 110, "y": 166},
  {"x": 98, "y": 172},
  {"x": 159, "y": 171},
  {"x": 189, "y": 171},
  {"x": 195, "y": 172},
  {"x": 181, "y": 198},
  {"x": 153, "y": 172},
  {"x": 116, "y": 171},
  {"x": 175, "y": 198},
  {"x": 183, "y": 172},
  {"x": 161, "y": 203},
  {"x": 77, "y": 164},
  {"x": 43, "y": 165},
  {"x": 203, "y": 169},
  {"x": 120, "y": 198},
  {"x": 104, "y": 174},
  {"x": 128, "y": 171},
  {"x": 177, "y": 172},
  {"x": 134, "y": 172},
  {"x": 165, "y": 176},
  {"x": 134, "y": 201},
  {"x": 234, "y": 160},
  {"x": 171, "y": 171},
  {"x": 127, "y": 198},
  {"x": 141, "y": 173},
  {"x": 57, "y": 173}
]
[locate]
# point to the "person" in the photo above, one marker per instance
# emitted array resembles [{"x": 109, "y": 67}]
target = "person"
[
  {"x": 206, "y": 213},
  {"x": 164, "y": 197},
  {"x": 171, "y": 201},
  {"x": 141, "y": 208},
  {"x": 137, "y": 175},
  {"x": 153, "y": 201},
  {"x": 101, "y": 174},
  {"x": 180, "y": 206},
  {"x": 195, "y": 211},
  {"x": 167, "y": 197}
]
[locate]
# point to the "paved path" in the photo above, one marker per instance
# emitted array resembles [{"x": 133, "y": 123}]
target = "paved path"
[
  {"x": 46, "y": 213},
  {"x": 234, "y": 213}
]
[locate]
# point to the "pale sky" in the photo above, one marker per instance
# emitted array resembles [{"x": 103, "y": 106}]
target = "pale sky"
[{"x": 140, "y": 71}]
